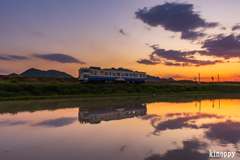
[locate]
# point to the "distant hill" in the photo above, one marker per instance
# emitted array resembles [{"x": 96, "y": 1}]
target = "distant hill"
[
  {"x": 153, "y": 78},
  {"x": 48, "y": 73},
  {"x": 13, "y": 74}
]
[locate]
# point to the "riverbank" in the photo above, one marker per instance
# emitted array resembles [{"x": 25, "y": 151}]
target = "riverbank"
[{"x": 17, "y": 90}]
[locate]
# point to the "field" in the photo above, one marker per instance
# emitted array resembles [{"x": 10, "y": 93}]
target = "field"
[{"x": 18, "y": 90}]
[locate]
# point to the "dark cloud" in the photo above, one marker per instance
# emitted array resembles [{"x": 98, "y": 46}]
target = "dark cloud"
[
  {"x": 226, "y": 132},
  {"x": 222, "y": 46},
  {"x": 12, "y": 123},
  {"x": 191, "y": 35},
  {"x": 236, "y": 27},
  {"x": 122, "y": 32},
  {"x": 4, "y": 58},
  {"x": 57, "y": 122},
  {"x": 17, "y": 57},
  {"x": 188, "y": 152},
  {"x": 181, "y": 58},
  {"x": 223, "y": 28},
  {"x": 147, "y": 62},
  {"x": 147, "y": 28},
  {"x": 172, "y": 64},
  {"x": 176, "y": 17},
  {"x": 58, "y": 57}
]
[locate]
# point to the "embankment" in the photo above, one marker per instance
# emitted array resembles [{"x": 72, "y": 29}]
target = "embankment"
[{"x": 18, "y": 90}]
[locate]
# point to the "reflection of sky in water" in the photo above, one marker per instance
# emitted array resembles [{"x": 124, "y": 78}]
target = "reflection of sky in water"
[{"x": 169, "y": 131}]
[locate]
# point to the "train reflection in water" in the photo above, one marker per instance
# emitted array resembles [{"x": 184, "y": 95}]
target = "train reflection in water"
[{"x": 108, "y": 114}]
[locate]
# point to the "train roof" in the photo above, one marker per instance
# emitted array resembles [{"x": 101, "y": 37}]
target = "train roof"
[{"x": 118, "y": 69}]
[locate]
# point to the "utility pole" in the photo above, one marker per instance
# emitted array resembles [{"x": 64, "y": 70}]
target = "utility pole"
[{"x": 199, "y": 76}]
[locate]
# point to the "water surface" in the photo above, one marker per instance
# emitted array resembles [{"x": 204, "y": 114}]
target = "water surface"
[{"x": 116, "y": 129}]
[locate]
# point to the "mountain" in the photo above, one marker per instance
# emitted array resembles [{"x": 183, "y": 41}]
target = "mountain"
[
  {"x": 153, "y": 78},
  {"x": 48, "y": 73},
  {"x": 13, "y": 74}
]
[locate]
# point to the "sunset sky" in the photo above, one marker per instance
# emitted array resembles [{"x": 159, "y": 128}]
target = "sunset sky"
[{"x": 177, "y": 39}]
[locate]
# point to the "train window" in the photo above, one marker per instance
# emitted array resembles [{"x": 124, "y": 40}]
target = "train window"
[
  {"x": 140, "y": 75},
  {"x": 122, "y": 74},
  {"x": 101, "y": 72},
  {"x": 94, "y": 72},
  {"x": 136, "y": 75},
  {"x": 126, "y": 74},
  {"x": 114, "y": 74},
  {"x": 118, "y": 74},
  {"x": 110, "y": 73},
  {"x": 130, "y": 74},
  {"x": 133, "y": 75},
  {"x": 91, "y": 72},
  {"x": 118, "y": 114},
  {"x": 106, "y": 73}
]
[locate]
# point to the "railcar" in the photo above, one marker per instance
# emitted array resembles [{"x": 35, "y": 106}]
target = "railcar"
[{"x": 120, "y": 75}]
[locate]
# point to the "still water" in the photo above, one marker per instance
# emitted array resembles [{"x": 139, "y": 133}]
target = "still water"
[{"x": 120, "y": 129}]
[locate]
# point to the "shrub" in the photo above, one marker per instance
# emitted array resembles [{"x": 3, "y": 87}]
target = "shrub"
[{"x": 14, "y": 81}]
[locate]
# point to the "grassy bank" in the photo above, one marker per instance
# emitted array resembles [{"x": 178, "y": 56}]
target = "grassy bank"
[{"x": 17, "y": 90}]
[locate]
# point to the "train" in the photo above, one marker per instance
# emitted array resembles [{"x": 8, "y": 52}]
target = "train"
[
  {"x": 120, "y": 75},
  {"x": 109, "y": 114}
]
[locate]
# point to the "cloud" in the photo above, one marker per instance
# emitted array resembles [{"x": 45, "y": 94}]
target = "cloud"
[
  {"x": 172, "y": 64},
  {"x": 226, "y": 132},
  {"x": 180, "y": 58},
  {"x": 12, "y": 57},
  {"x": 58, "y": 57},
  {"x": 223, "y": 28},
  {"x": 17, "y": 57},
  {"x": 12, "y": 123},
  {"x": 147, "y": 62},
  {"x": 222, "y": 46},
  {"x": 59, "y": 122},
  {"x": 5, "y": 58},
  {"x": 176, "y": 17},
  {"x": 189, "y": 151},
  {"x": 236, "y": 27},
  {"x": 122, "y": 32}
]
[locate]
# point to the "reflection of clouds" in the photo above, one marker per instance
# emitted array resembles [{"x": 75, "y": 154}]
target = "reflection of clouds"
[
  {"x": 12, "y": 123},
  {"x": 59, "y": 122},
  {"x": 188, "y": 152},
  {"x": 147, "y": 117},
  {"x": 226, "y": 132},
  {"x": 180, "y": 122},
  {"x": 173, "y": 114}
]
